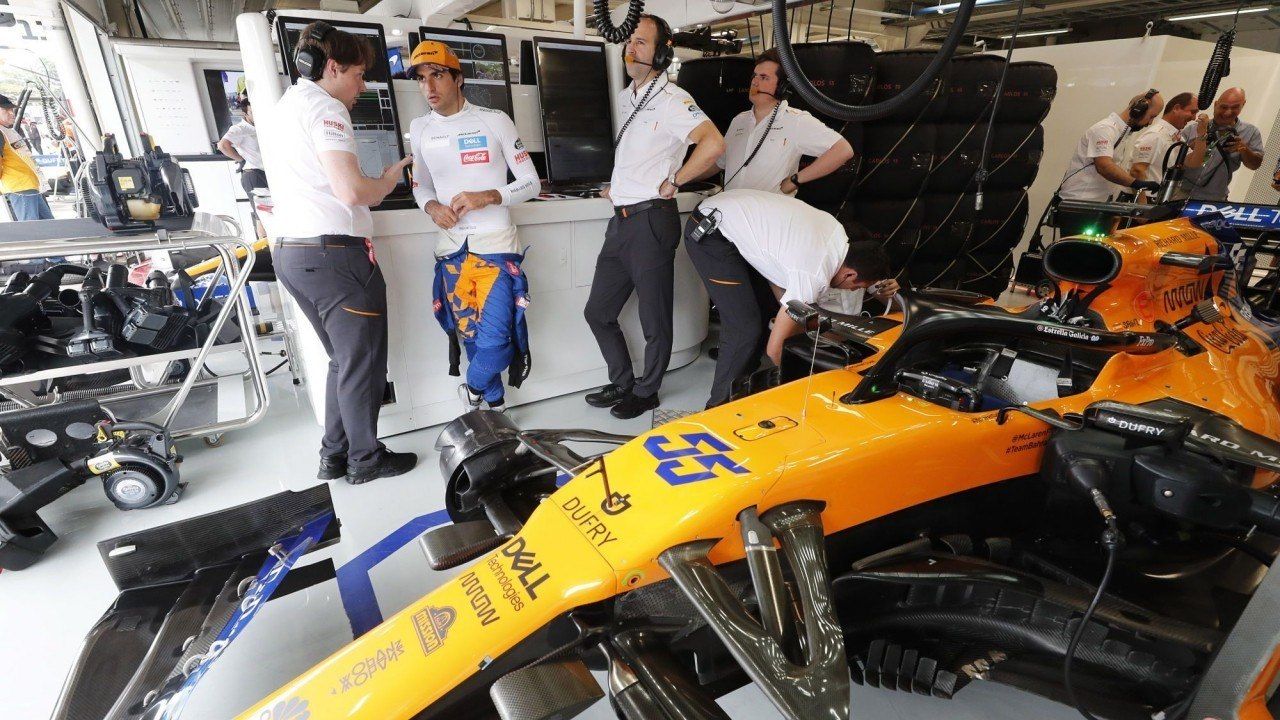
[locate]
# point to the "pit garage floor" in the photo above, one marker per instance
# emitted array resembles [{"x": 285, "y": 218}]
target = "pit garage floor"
[{"x": 46, "y": 610}]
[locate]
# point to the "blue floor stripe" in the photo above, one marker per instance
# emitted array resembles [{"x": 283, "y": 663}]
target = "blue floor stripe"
[{"x": 354, "y": 583}]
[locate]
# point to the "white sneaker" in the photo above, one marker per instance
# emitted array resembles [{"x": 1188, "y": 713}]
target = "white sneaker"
[
  {"x": 470, "y": 401},
  {"x": 500, "y": 407}
]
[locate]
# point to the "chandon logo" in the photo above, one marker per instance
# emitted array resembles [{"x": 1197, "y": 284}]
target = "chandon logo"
[{"x": 524, "y": 563}]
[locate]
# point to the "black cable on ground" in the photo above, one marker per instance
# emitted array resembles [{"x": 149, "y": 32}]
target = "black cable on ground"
[{"x": 1111, "y": 541}]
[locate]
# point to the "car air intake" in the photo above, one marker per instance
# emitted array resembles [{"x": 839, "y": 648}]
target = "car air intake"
[{"x": 1082, "y": 261}]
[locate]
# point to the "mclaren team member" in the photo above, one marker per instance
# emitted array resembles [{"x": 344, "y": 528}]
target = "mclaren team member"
[
  {"x": 461, "y": 156},
  {"x": 660, "y": 121},
  {"x": 761, "y": 249},
  {"x": 1094, "y": 173},
  {"x": 19, "y": 178},
  {"x": 1236, "y": 143},
  {"x": 1152, "y": 144},
  {"x": 327, "y": 262},
  {"x": 240, "y": 143},
  {"x": 764, "y": 144}
]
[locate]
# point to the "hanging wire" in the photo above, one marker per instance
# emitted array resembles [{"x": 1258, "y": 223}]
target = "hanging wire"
[
  {"x": 848, "y": 31},
  {"x": 831, "y": 10},
  {"x": 753, "y": 40},
  {"x": 808, "y": 27}
]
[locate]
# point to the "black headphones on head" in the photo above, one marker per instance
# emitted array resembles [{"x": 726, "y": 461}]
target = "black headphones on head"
[
  {"x": 783, "y": 89},
  {"x": 1139, "y": 108},
  {"x": 309, "y": 59},
  {"x": 665, "y": 52}
]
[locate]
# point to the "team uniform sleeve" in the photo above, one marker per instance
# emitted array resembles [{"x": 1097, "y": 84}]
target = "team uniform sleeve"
[
  {"x": 526, "y": 185},
  {"x": 1099, "y": 143},
  {"x": 424, "y": 190},
  {"x": 814, "y": 137},
  {"x": 330, "y": 128},
  {"x": 232, "y": 135},
  {"x": 681, "y": 115}
]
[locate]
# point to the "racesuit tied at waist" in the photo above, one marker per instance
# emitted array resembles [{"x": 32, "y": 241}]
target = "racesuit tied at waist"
[{"x": 469, "y": 288}]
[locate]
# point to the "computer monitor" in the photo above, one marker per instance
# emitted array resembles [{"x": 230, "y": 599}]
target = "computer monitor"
[
  {"x": 577, "y": 125},
  {"x": 484, "y": 65},
  {"x": 222, "y": 87},
  {"x": 373, "y": 119},
  {"x": 396, "y": 62}
]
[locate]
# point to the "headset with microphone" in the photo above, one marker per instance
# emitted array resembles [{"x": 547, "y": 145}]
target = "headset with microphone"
[
  {"x": 664, "y": 51},
  {"x": 310, "y": 58},
  {"x": 1139, "y": 108},
  {"x": 783, "y": 89}
]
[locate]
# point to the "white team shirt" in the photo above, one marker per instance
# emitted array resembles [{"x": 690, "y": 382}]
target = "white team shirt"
[
  {"x": 1081, "y": 181},
  {"x": 1150, "y": 147},
  {"x": 792, "y": 244},
  {"x": 794, "y": 133},
  {"x": 306, "y": 122},
  {"x": 244, "y": 138},
  {"x": 655, "y": 142},
  {"x": 472, "y": 150}
]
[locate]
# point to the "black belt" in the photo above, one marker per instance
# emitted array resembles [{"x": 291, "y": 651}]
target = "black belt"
[
  {"x": 626, "y": 211},
  {"x": 333, "y": 241}
]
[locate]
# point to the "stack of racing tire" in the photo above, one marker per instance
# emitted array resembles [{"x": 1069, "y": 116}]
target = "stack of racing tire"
[{"x": 916, "y": 191}]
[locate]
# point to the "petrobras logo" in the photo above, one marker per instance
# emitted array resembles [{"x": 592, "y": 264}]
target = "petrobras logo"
[
  {"x": 472, "y": 143},
  {"x": 478, "y": 157}
]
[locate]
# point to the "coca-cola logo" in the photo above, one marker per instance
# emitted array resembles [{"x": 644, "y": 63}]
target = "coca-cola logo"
[{"x": 475, "y": 158}]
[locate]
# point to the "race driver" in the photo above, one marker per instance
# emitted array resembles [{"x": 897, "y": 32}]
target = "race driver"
[{"x": 461, "y": 154}]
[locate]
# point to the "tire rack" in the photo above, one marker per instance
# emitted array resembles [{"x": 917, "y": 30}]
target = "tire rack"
[{"x": 220, "y": 233}]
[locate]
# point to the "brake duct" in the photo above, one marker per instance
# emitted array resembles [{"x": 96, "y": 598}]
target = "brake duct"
[{"x": 800, "y": 666}]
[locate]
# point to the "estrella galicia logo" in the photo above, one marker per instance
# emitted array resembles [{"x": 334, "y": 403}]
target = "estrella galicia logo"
[
  {"x": 691, "y": 457},
  {"x": 473, "y": 143},
  {"x": 526, "y": 566},
  {"x": 432, "y": 624}
]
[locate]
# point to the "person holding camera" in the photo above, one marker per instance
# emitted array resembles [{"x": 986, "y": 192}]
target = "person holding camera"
[{"x": 1231, "y": 143}]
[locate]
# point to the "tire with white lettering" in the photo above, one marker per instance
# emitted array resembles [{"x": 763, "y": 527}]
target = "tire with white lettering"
[
  {"x": 719, "y": 86},
  {"x": 895, "y": 224},
  {"x": 842, "y": 70},
  {"x": 897, "y": 160},
  {"x": 1029, "y": 90},
  {"x": 972, "y": 89},
  {"x": 897, "y": 69}
]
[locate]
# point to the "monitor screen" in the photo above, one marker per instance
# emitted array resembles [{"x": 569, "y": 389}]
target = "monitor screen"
[
  {"x": 373, "y": 119},
  {"x": 395, "y": 60},
  {"x": 484, "y": 65},
  {"x": 573, "y": 87},
  {"x": 222, "y": 88}
]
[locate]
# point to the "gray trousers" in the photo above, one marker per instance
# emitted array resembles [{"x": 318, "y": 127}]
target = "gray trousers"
[
  {"x": 344, "y": 297},
  {"x": 638, "y": 255}
]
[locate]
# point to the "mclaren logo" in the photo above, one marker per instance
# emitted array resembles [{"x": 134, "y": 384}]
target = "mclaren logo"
[{"x": 432, "y": 624}]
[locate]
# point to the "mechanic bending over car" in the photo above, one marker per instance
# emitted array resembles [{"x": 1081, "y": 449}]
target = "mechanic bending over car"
[
  {"x": 1093, "y": 173},
  {"x": 764, "y": 144},
  {"x": 461, "y": 154},
  {"x": 1152, "y": 144},
  {"x": 327, "y": 262},
  {"x": 639, "y": 251},
  {"x": 1235, "y": 143},
  {"x": 240, "y": 143},
  {"x": 755, "y": 250}
]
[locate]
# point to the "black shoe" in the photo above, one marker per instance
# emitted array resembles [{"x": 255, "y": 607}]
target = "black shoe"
[
  {"x": 714, "y": 353},
  {"x": 389, "y": 465},
  {"x": 332, "y": 467},
  {"x": 632, "y": 405},
  {"x": 607, "y": 396}
]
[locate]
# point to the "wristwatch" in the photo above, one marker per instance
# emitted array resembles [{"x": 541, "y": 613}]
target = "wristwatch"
[
  {"x": 795, "y": 179},
  {"x": 672, "y": 179}
]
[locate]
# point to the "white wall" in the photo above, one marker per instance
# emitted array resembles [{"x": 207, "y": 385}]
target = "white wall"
[{"x": 1098, "y": 78}]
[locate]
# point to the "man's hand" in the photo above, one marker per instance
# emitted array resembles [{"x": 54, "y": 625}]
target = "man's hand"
[
  {"x": 884, "y": 289},
  {"x": 604, "y": 193},
  {"x": 1234, "y": 145},
  {"x": 788, "y": 188},
  {"x": 465, "y": 202},
  {"x": 442, "y": 215},
  {"x": 392, "y": 174},
  {"x": 1149, "y": 185},
  {"x": 1202, "y": 125},
  {"x": 666, "y": 190}
]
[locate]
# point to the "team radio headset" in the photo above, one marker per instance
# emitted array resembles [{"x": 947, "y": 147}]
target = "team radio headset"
[
  {"x": 663, "y": 54},
  {"x": 309, "y": 59},
  {"x": 780, "y": 93},
  {"x": 1137, "y": 110}
]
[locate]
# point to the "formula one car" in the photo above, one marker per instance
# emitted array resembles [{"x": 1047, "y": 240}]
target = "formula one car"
[{"x": 1071, "y": 498}]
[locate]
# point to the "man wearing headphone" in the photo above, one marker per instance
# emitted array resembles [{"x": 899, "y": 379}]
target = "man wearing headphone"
[
  {"x": 326, "y": 262},
  {"x": 661, "y": 120},
  {"x": 764, "y": 144},
  {"x": 1093, "y": 172}
]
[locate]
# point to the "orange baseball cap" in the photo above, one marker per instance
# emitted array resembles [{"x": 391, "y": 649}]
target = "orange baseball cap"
[{"x": 433, "y": 52}]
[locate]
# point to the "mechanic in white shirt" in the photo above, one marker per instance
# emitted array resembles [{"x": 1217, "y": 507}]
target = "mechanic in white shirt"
[
  {"x": 764, "y": 144},
  {"x": 1093, "y": 172},
  {"x": 1153, "y": 143},
  {"x": 660, "y": 121},
  {"x": 461, "y": 154},
  {"x": 326, "y": 262},
  {"x": 766, "y": 249},
  {"x": 240, "y": 143}
]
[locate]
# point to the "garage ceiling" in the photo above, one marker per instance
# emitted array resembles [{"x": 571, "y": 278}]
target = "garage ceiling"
[{"x": 198, "y": 20}]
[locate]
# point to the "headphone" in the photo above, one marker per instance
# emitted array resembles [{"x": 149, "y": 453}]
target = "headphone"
[
  {"x": 1139, "y": 108},
  {"x": 783, "y": 89},
  {"x": 665, "y": 52},
  {"x": 309, "y": 59}
]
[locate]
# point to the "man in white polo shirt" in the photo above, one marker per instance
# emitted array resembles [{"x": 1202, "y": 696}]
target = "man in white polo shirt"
[
  {"x": 1093, "y": 172},
  {"x": 461, "y": 155},
  {"x": 764, "y": 144},
  {"x": 1152, "y": 144},
  {"x": 326, "y": 262},
  {"x": 800, "y": 251},
  {"x": 660, "y": 121}
]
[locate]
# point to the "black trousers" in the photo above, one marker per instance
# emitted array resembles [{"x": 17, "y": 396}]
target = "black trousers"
[
  {"x": 344, "y": 297},
  {"x": 639, "y": 255},
  {"x": 746, "y": 304},
  {"x": 251, "y": 180}
]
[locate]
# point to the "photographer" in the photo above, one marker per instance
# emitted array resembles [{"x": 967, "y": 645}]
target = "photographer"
[{"x": 1232, "y": 143}]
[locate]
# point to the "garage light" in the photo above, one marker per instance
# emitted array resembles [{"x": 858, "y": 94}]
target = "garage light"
[
  {"x": 1218, "y": 13},
  {"x": 1038, "y": 33},
  {"x": 948, "y": 7}
]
